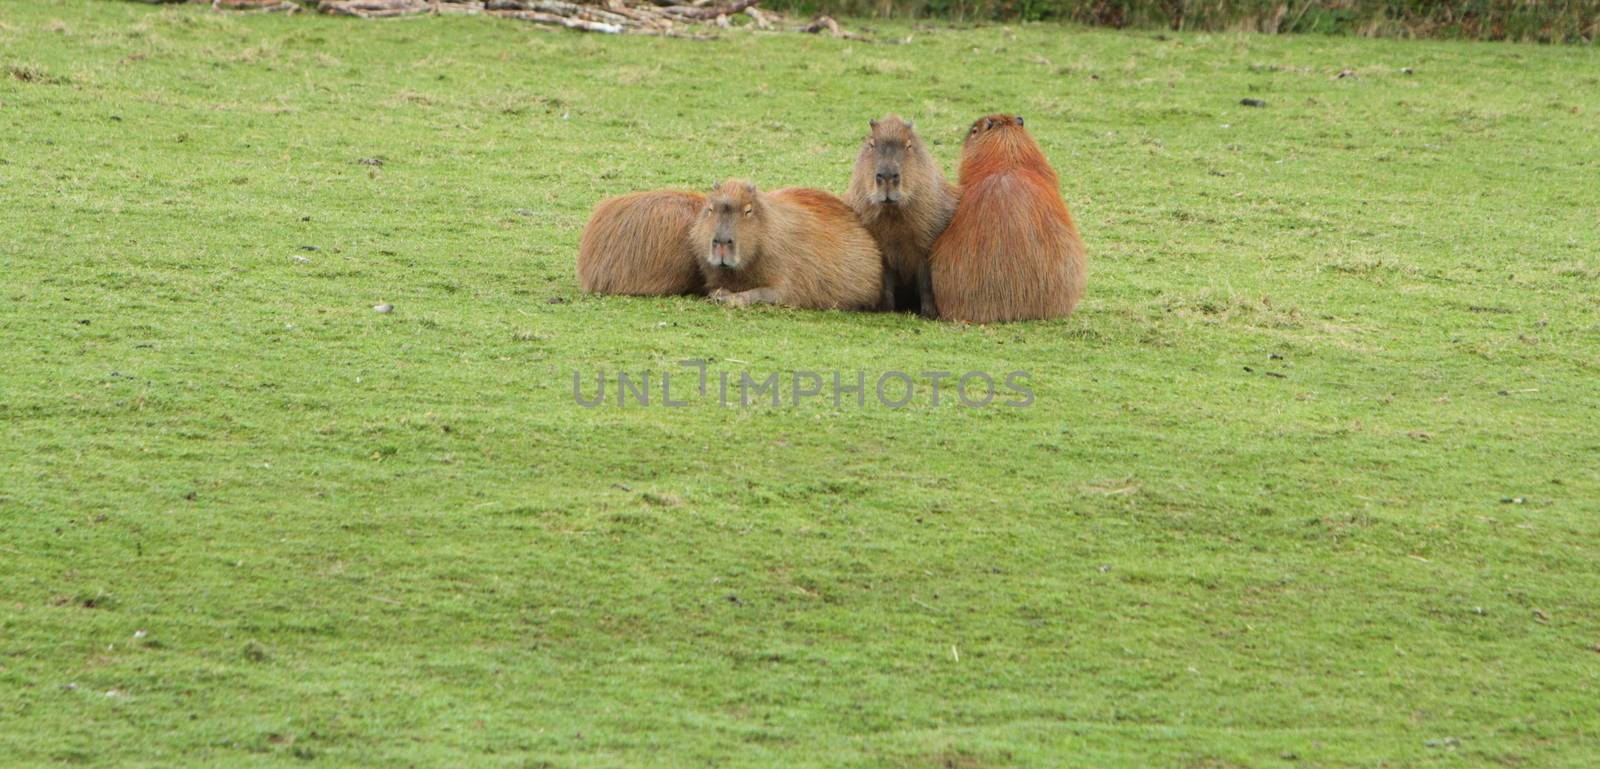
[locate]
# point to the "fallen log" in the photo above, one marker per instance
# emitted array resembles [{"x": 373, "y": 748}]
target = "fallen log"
[
  {"x": 540, "y": 17},
  {"x": 827, "y": 24},
  {"x": 455, "y": 6},
  {"x": 708, "y": 13},
  {"x": 373, "y": 9},
  {"x": 255, "y": 6},
  {"x": 675, "y": 18},
  {"x": 561, "y": 9}
]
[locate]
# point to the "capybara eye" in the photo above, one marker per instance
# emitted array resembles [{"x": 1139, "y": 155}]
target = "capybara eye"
[{"x": 974, "y": 131}]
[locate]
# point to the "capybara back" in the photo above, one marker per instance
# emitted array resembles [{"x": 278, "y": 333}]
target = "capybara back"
[
  {"x": 1012, "y": 251},
  {"x": 639, "y": 244}
]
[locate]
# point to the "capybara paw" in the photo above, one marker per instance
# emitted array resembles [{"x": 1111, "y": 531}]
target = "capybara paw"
[{"x": 730, "y": 298}]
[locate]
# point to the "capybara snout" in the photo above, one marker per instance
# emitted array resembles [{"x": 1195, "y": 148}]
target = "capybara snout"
[
  {"x": 722, "y": 253},
  {"x": 889, "y": 184}
]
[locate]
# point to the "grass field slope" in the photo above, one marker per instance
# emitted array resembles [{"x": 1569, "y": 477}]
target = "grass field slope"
[{"x": 1311, "y": 478}]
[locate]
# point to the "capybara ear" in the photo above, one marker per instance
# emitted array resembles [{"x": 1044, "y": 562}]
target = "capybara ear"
[
  {"x": 911, "y": 126},
  {"x": 750, "y": 187},
  {"x": 716, "y": 186},
  {"x": 872, "y": 123},
  {"x": 988, "y": 124},
  {"x": 1019, "y": 120}
]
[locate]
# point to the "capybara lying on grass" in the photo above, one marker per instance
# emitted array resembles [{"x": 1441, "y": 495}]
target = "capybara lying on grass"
[
  {"x": 639, "y": 244},
  {"x": 1011, "y": 252},
  {"x": 795, "y": 246},
  {"x": 903, "y": 199}
]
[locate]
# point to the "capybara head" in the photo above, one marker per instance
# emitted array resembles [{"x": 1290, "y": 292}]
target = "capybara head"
[
  {"x": 893, "y": 164},
  {"x": 995, "y": 141},
  {"x": 984, "y": 127},
  {"x": 730, "y": 224}
]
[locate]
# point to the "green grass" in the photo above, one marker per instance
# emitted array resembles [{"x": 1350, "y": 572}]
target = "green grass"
[{"x": 1258, "y": 516}]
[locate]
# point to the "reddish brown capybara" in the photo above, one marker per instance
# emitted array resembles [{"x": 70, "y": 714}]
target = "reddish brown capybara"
[
  {"x": 902, "y": 198},
  {"x": 795, "y": 246},
  {"x": 1011, "y": 252},
  {"x": 639, "y": 244}
]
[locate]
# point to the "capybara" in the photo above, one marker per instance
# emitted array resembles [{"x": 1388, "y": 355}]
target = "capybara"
[
  {"x": 903, "y": 199},
  {"x": 1011, "y": 252},
  {"x": 794, "y": 246},
  {"x": 639, "y": 244}
]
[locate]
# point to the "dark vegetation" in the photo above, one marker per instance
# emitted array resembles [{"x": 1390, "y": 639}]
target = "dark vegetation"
[{"x": 1546, "y": 21}]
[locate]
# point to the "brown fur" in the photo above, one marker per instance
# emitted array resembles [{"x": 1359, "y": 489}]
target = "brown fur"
[
  {"x": 639, "y": 244},
  {"x": 903, "y": 199},
  {"x": 1012, "y": 251},
  {"x": 794, "y": 246}
]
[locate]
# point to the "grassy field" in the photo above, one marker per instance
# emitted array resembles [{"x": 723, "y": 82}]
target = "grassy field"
[{"x": 1312, "y": 479}]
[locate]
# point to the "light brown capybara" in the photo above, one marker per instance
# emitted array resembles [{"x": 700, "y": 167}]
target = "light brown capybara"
[
  {"x": 639, "y": 244},
  {"x": 795, "y": 246},
  {"x": 903, "y": 199},
  {"x": 1011, "y": 252}
]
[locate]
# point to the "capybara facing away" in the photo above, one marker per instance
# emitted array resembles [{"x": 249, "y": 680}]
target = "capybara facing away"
[
  {"x": 795, "y": 246},
  {"x": 903, "y": 199},
  {"x": 1011, "y": 252},
  {"x": 639, "y": 244}
]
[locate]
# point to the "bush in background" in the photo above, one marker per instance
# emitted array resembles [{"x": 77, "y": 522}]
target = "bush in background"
[{"x": 1571, "y": 21}]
